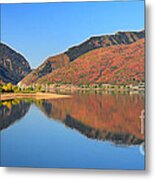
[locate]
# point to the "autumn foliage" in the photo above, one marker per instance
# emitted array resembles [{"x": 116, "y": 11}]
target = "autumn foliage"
[{"x": 122, "y": 64}]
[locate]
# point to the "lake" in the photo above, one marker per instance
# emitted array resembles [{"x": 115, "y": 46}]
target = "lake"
[{"x": 88, "y": 130}]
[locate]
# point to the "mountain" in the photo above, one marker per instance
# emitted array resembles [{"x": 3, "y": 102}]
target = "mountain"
[
  {"x": 104, "y": 41},
  {"x": 122, "y": 64},
  {"x": 55, "y": 62},
  {"x": 13, "y": 66},
  {"x": 47, "y": 67},
  {"x": 1, "y": 82}
]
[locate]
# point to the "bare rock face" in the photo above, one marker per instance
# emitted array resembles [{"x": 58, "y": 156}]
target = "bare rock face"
[
  {"x": 13, "y": 66},
  {"x": 104, "y": 41}
]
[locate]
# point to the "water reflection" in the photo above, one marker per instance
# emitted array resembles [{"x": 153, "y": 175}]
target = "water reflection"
[
  {"x": 47, "y": 139},
  {"x": 103, "y": 117},
  {"x": 11, "y": 111}
]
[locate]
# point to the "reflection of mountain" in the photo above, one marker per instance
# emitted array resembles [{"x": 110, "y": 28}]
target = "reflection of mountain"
[
  {"x": 103, "y": 117},
  {"x": 10, "y": 114},
  {"x": 116, "y": 137}
]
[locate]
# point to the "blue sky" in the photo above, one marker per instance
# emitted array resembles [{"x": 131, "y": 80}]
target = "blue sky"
[{"x": 41, "y": 30}]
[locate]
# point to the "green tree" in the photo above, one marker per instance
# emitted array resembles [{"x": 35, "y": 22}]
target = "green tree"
[
  {"x": 1, "y": 88},
  {"x": 7, "y": 87},
  {"x": 39, "y": 88},
  {"x": 16, "y": 89}
]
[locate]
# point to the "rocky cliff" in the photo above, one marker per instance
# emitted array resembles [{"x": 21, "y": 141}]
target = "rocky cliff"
[
  {"x": 13, "y": 66},
  {"x": 104, "y": 41}
]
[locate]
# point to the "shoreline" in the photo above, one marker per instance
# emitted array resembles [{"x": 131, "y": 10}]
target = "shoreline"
[
  {"x": 74, "y": 89},
  {"x": 9, "y": 96},
  {"x": 96, "y": 89},
  {"x": 104, "y": 87}
]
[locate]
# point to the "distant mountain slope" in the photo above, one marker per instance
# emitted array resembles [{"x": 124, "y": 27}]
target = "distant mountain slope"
[
  {"x": 13, "y": 66},
  {"x": 71, "y": 54},
  {"x": 122, "y": 64},
  {"x": 104, "y": 41},
  {"x": 48, "y": 66}
]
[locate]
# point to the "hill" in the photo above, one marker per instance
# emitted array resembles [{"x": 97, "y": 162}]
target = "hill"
[
  {"x": 47, "y": 67},
  {"x": 55, "y": 62},
  {"x": 13, "y": 66},
  {"x": 122, "y": 64}
]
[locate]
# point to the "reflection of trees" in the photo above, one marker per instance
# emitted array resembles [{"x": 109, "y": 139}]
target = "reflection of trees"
[
  {"x": 104, "y": 117},
  {"x": 11, "y": 111}
]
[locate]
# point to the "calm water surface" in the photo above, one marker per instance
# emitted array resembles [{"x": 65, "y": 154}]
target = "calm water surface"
[{"x": 89, "y": 130}]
